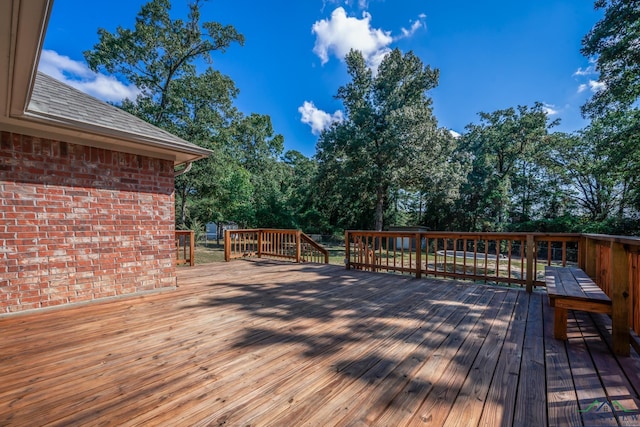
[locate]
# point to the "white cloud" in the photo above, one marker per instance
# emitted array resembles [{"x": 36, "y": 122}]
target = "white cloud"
[
  {"x": 415, "y": 26},
  {"x": 454, "y": 134},
  {"x": 589, "y": 71},
  {"x": 362, "y": 4},
  {"x": 582, "y": 88},
  {"x": 318, "y": 120},
  {"x": 596, "y": 86},
  {"x": 339, "y": 34},
  {"x": 77, "y": 74},
  {"x": 550, "y": 109}
]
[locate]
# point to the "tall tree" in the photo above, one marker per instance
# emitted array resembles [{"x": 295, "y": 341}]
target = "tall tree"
[
  {"x": 257, "y": 148},
  {"x": 583, "y": 160},
  {"x": 602, "y": 166},
  {"x": 614, "y": 43},
  {"x": 504, "y": 147},
  {"x": 159, "y": 56},
  {"x": 389, "y": 120}
]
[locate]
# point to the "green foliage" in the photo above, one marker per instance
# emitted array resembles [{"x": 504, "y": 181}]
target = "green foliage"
[
  {"x": 243, "y": 180},
  {"x": 158, "y": 53},
  {"x": 389, "y": 140},
  {"x": 613, "y": 43},
  {"x": 388, "y": 162},
  {"x": 566, "y": 223},
  {"x": 506, "y": 179}
]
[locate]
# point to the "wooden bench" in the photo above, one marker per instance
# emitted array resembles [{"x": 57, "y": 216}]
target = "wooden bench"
[{"x": 570, "y": 288}]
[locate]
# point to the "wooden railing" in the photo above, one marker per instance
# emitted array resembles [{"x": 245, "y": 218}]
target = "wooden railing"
[
  {"x": 185, "y": 247},
  {"x": 502, "y": 258},
  {"x": 291, "y": 245},
  {"x": 613, "y": 262}
]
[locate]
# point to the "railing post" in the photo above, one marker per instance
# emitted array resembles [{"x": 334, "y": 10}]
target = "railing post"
[
  {"x": 298, "y": 245},
  {"x": 260, "y": 243},
  {"x": 418, "y": 256},
  {"x": 589, "y": 257},
  {"x": 530, "y": 251},
  {"x": 192, "y": 248},
  {"x": 347, "y": 251},
  {"x": 620, "y": 299},
  {"x": 227, "y": 245}
]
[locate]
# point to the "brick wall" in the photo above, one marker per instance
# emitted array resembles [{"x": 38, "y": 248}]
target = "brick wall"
[{"x": 80, "y": 223}]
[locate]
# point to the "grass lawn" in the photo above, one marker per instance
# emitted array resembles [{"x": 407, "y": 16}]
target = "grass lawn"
[{"x": 209, "y": 252}]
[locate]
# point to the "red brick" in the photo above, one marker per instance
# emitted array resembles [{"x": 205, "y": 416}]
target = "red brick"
[{"x": 68, "y": 241}]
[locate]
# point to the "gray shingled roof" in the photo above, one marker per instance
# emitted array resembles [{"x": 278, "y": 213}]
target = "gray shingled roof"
[{"x": 55, "y": 100}]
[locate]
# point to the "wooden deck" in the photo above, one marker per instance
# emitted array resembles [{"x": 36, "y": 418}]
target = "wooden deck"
[{"x": 277, "y": 344}]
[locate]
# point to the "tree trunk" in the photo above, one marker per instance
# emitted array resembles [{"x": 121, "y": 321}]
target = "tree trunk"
[
  {"x": 380, "y": 194},
  {"x": 181, "y": 193}
]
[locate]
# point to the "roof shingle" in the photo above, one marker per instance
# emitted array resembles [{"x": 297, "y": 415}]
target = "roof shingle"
[{"x": 52, "y": 99}]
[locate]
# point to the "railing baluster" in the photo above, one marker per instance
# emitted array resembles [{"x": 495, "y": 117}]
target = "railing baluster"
[{"x": 509, "y": 259}]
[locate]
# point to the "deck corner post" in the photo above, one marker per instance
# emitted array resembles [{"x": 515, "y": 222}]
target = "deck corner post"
[
  {"x": 590, "y": 257},
  {"x": 620, "y": 300},
  {"x": 582, "y": 252},
  {"x": 530, "y": 251},
  {"x": 347, "y": 252},
  {"x": 418, "y": 256},
  {"x": 298, "y": 245},
  {"x": 260, "y": 239},
  {"x": 227, "y": 245},
  {"x": 192, "y": 248}
]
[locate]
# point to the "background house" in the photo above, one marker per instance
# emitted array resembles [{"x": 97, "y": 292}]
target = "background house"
[{"x": 86, "y": 190}]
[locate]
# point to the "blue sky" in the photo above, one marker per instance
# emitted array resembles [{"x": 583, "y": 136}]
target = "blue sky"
[{"x": 492, "y": 55}]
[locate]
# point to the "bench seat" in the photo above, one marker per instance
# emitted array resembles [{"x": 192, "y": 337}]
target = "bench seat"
[{"x": 570, "y": 288}]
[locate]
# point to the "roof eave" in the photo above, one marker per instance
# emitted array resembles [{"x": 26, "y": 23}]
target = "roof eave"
[
  {"x": 23, "y": 25},
  {"x": 83, "y": 134},
  {"x": 21, "y": 40}
]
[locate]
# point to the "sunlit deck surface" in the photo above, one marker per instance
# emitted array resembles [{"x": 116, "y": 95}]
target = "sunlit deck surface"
[{"x": 281, "y": 344}]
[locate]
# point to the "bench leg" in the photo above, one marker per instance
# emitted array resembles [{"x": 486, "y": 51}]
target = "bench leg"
[{"x": 560, "y": 323}]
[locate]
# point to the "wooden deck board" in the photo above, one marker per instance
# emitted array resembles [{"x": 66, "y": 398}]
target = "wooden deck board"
[
  {"x": 500, "y": 402},
  {"x": 469, "y": 404},
  {"x": 617, "y": 387},
  {"x": 562, "y": 402},
  {"x": 268, "y": 343},
  {"x": 531, "y": 405},
  {"x": 439, "y": 403}
]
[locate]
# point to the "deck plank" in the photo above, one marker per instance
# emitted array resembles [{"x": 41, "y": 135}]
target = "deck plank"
[
  {"x": 356, "y": 374},
  {"x": 592, "y": 398},
  {"x": 531, "y": 400},
  {"x": 299, "y": 395},
  {"x": 368, "y": 408},
  {"x": 469, "y": 404},
  {"x": 562, "y": 401},
  {"x": 272, "y": 343},
  {"x": 620, "y": 393},
  {"x": 446, "y": 384},
  {"x": 500, "y": 402},
  {"x": 324, "y": 355}
]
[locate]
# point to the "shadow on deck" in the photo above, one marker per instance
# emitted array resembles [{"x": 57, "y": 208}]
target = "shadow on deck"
[{"x": 279, "y": 344}]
